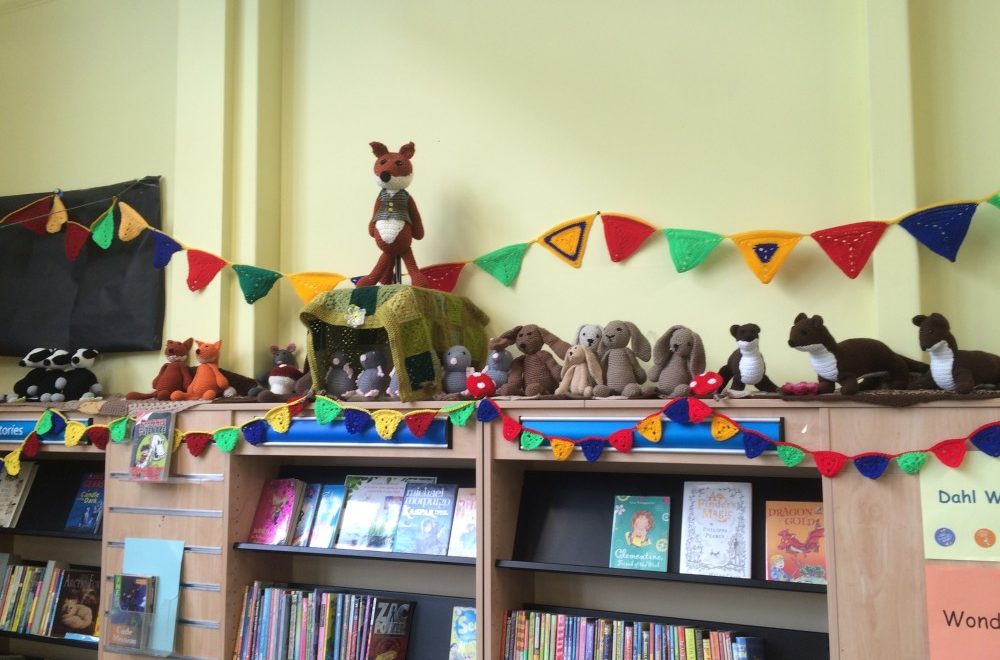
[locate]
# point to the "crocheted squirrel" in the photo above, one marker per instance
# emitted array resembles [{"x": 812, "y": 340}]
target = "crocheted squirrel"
[
  {"x": 536, "y": 372},
  {"x": 678, "y": 357},
  {"x": 746, "y": 364},
  {"x": 951, "y": 369},
  {"x": 208, "y": 382},
  {"x": 622, "y": 372},
  {"x": 174, "y": 376},
  {"x": 395, "y": 221},
  {"x": 581, "y": 372},
  {"x": 848, "y": 361}
]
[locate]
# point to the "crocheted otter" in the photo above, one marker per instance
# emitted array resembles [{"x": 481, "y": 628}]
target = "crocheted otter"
[
  {"x": 746, "y": 364},
  {"x": 951, "y": 369}
]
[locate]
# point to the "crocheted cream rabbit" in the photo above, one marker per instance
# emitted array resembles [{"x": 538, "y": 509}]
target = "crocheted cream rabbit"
[
  {"x": 622, "y": 371},
  {"x": 580, "y": 372},
  {"x": 678, "y": 356}
]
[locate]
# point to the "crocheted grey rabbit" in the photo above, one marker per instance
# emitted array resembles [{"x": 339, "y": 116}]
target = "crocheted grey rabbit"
[
  {"x": 622, "y": 372},
  {"x": 457, "y": 360},
  {"x": 678, "y": 356},
  {"x": 591, "y": 335},
  {"x": 497, "y": 366}
]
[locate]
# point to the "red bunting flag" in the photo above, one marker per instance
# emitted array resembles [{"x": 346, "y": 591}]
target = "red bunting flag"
[
  {"x": 950, "y": 452},
  {"x": 76, "y": 238},
  {"x": 850, "y": 246},
  {"x": 444, "y": 277},
  {"x": 418, "y": 423},
  {"x": 33, "y": 217},
  {"x": 829, "y": 463},
  {"x": 202, "y": 268},
  {"x": 624, "y": 235}
]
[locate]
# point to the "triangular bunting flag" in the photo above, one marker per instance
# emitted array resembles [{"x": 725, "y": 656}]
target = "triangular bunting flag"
[
  {"x": 255, "y": 283},
  {"x": 443, "y": 277},
  {"x": 987, "y": 439},
  {"x": 765, "y": 251},
  {"x": 459, "y": 415},
  {"x": 850, "y": 246},
  {"x": 254, "y": 431},
  {"x": 12, "y": 463},
  {"x": 279, "y": 419},
  {"x": 690, "y": 247},
  {"x": 44, "y": 423},
  {"x": 178, "y": 439},
  {"x": 33, "y": 217},
  {"x": 621, "y": 440},
  {"x": 326, "y": 409},
  {"x": 386, "y": 422},
  {"x": 487, "y": 411},
  {"x": 872, "y": 465},
  {"x": 592, "y": 448},
  {"x": 790, "y": 455},
  {"x": 754, "y": 444},
  {"x": 568, "y": 240},
  {"x": 531, "y": 440},
  {"x": 356, "y": 421},
  {"x": 202, "y": 268},
  {"x": 226, "y": 438},
  {"x": 651, "y": 427},
  {"x": 76, "y": 238},
  {"x": 74, "y": 433},
  {"x": 130, "y": 224},
  {"x": 677, "y": 411},
  {"x": 504, "y": 264},
  {"x": 511, "y": 428},
  {"x": 164, "y": 247},
  {"x": 624, "y": 235},
  {"x": 119, "y": 429},
  {"x": 418, "y": 423},
  {"x": 950, "y": 452},
  {"x": 103, "y": 229},
  {"x": 942, "y": 228},
  {"x": 912, "y": 462},
  {"x": 697, "y": 410},
  {"x": 98, "y": 435},
  {"x": 310, "y": 285},
  {"x": 297, "y": 405},
  {"x": 57, "y": 216},
  {"x": 30, "y": 445},
  {"x": 994, "y": 200},
  {"x": 561, "y": 449},
  {"x": 58, "y": 424},
  {"x": 197, "y": 442},
  {"x": 723, "y": 428},
  {"x": 829, "y": 463}
]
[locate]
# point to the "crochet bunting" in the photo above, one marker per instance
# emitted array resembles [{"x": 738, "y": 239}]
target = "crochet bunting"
[
  {"x": 57, "y": 216},
  {"x": 254, "y": 431},
  {"x": 202, "y": 268},
  {"x": 829, "y": 463},
  {"x": 33, "y": 217},
  {"x": 226, "y": 438},
  {"x": 418, "y": 423},
  {"x": 621, "y": 440},
  {"x": 871, "y": 465},
  {"x": 130, "y": 224},
  {"x": 531, "y": 440},
  {"x": 754, "y": 444},
  {"x": 356, "y": 421},
  {"x": 568, "y": 240},
  {"x": 942, "y": 228},
  {"x": 912, "y": 462},
  {"x": 12, "y": 463},
  {"x": 386, "y": 422},
  {"x": 504, "y": 264},
  {"x": 103, "y": 229},
  {"x": 987, "y": 440},
  {"x": 561, "y": 449},
  {"x": 197, "y": 442},
  {"x": 592, "y": 448},
  {"x": 850, "y": 246},
  {"x": 310, "y": 285},
  {"x": 164, "y": 247},
  {"x": 994, "y": 200},
  {"x": 76, "y": 238},
  {"x": 98, "y": 436},
  {"x": 765, "y": 250},
  {"x": 624, "y": 235},
  {"x": 444, "y": 277},
  {"x": 690, "y": 247},
  {"x": 31, "y": 445},
  {"x": 74, "y": 433},
  {"x": 950, "y": 452},
  {"x": 255, "y": 283}
]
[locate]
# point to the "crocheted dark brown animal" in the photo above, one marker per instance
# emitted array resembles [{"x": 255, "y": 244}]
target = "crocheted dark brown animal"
[
  {"x": 746, "y": 364},
  {"x": 951, "y": 369},
  {"x": 536, "y": 372},
  {"x": 850, "y": 360},
  {"x": 174, "y": 376}
]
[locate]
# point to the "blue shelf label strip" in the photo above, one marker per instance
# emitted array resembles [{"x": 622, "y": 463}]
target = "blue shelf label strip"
[
  {"x": 306, "y": 431},
  {"x": 14, "y": 431}
]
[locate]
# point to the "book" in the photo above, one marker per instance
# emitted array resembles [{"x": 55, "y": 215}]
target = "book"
[
  {"x": 276, "y": 511},
  {"x": 88, "y": 506},
  {"x": 390, "y": 629},
  {"x": 463, "y": 525},
  {"x": 424, "y": 526},
  {"x": 45, "y": 592},
  {"x": 750, "y": 648},
  {"x": 306, "y": 515},
  {"x": 371, "y": 511},
  {"x": 640, "y": 533},
  {"x": 463, "y": 634},
  {"x": 331, "y": 501},
  {"x": 795, "y": 549},
  {"x": 152, "y": 444},
  {"x": 715, "y": 529},
  {"x": 77, "y": 604},
  {"x": 14, "y": 491},
  {"x": 132, "y": 601}
]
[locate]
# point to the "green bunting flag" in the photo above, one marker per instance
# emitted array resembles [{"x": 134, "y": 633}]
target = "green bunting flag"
[
  {"x": 327, "y": 410},
  {"x": 460, "y": 414},
  {"x": 531, "y": 440},
  {"x": 505, "y": 263},
  {"x": 119, "y": 429},
  {"x": 912, "y": 462},
  {"x": 790, "y": 456},
  {"x": 995, "y": 200},
  {"x": 255, "y": 282},
  {"x": 226, "y": 438},
  {"x": 690, "y": 247},
  {"x": 103, "y": 231}
]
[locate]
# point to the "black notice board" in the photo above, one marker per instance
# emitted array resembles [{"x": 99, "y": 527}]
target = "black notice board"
[{"x": 110, "y": 300}]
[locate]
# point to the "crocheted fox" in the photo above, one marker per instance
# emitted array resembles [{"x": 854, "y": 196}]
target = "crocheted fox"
[
  {"x": 208, "y": 382},
  {"x": 174, "y": 376}
]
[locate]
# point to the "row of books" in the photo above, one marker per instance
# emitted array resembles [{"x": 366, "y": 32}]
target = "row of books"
[
  {"x": 84, "y": 516},
  {"x": 529, "y": 635},
  {"x": 49, "y": 600},
  {"x": 369, "y": 512},
  {"x": 716, "y": 534}
]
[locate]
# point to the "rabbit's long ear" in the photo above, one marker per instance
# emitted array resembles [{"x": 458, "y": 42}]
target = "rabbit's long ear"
[
  {"x": 506, "y": 339},
  {"x": 696, "y": 361},
  {"x": 640, "y": 345},
  {"x": 558, "y": 346},
  {"x": 576, "y": 335},
  {"x": 661, "y": 351},
  {"x": 594, "y": 366}
]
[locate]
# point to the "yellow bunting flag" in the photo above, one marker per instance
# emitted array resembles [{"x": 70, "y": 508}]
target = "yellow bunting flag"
[
  {"x": 386, "y": 422},
  {"x": 723, "y": 428},
  {"x": 561, "y": 449},
  {"x": 568, "y": 240},
  {"x": 132, "y": 224},
  {"x": 310, "y": 285},
  {"x": 651, "y": 428},
  {"x": 178, "y": 439},
  {"x": 765, "y": 250},
  {"x": 12, "y": 463},
  {"x": 279, "y": 418},
  {"x": 57, "y": 216},
  {"x": 74, "y": 433}
]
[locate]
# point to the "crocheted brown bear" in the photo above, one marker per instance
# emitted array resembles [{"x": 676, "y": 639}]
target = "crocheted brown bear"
[
  {"x": 536, "y": 372},
  {"x": 174, "y": 376},
  {"x": 951, "y": 369},
  {"x": 622, "y": 372}
]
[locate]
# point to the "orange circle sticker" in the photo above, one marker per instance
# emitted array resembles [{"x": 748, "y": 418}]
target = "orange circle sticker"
[{"x": 985, "y": 538}]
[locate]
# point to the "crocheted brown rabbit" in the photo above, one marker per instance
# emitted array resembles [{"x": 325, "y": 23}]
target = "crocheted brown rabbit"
[
  {"x": 536, "y": 372},
  {"x": 678, "y": 356},
  {"x": 622, "y": 372},
  {"x": 580, "y": 372}
]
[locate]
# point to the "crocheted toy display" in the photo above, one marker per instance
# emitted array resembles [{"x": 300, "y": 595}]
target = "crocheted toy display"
[
  {"x": 374, "y": 377},
  {"x": 622, "y": 372},
  {"x": 580, "y": 373},
  {"x": 848, "y": 361},
  {"x": 392, "y": 391},
  {"x": 535, "y": 372},
  {"x": 395, "y": 221},
  {"x": 78, "y": 382},
  {"x": 746, "y": 364},
  {"x": 417, "y": 325},
  {"x": 339, "y": 379},
  {"x": 282, "y": 378},
  {"x": 498, "y": 366},
  {"x": 56, "y": 364},
  {"x": 174, "y": 376},
  {"x": 208, "y": 382},
  {"x": 952, "y": 369},
  {"x": 678, "y": 357},
  {"x": 457, "y": 366},
  {"x": 29, "y": 387},
  {"x": 591, "y": 335}
]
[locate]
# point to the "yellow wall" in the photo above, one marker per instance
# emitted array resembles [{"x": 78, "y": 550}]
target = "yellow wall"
[{"x": 722, "y": 116}]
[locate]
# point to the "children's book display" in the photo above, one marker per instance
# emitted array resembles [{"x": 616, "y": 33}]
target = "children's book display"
[
  {"x": 796, "y": 549},
  {"x": 640, "y": 533},
  {"x": 145, "y": 598},
  {"x": 48, "y": 600},
  {"x": 424, "y": 526},
  {"x": 152, "y": 442},
  {"x": 132, "y": 604},
  {"x": 88, "y": 506},
  {"x": 306, "y": 514},
  {"x": 371, "y": 511},
  {"x": 77, "y": 607},
  {"x": 324, "y": 529},
  {"x": 463, "y": 634},
  {"x": 463, "y": 525},
  {"x": 13, "y": 493},
  {"x": 715, "y": 529},
  {"x": 277, "y": 512}
]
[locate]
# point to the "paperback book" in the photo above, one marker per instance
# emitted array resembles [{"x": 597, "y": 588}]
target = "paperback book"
[
  {"x": 796, "y": 547},
  {"x": 715, "y": 529},
  {"x": 331, "y": 501},
  {"x": 14, "y": 491},
  {"x": 463, "y": 525},
  {"x": 425, "y": 521},
  {"x": 277, "y": 509},
  {"x": 78, "y": 604},
  {"x": 463, "y": 634},
  {"x": 390, "y": 630},
  {"x": 640, "y": 533},
  {"x": 152, "y": 441},
  {"x": 307, "y": 513},
  {"x": 88, "y": 505},
  {"x": 132, "y": 603},
  {"x": 371, "y": 511}
]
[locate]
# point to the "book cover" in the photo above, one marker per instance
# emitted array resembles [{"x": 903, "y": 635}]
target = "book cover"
[
  {"x": 371, "y": 511},
  {"x": 795, "y": 546},
  {"x": 331, "y": 501},
  {"x": 715, "y": 529},
  {"x": 463, "y": 634},
  {"x": 152, "y": 442},
  {"x": 88, "y": 505},
  {"x": 425, "y": 521},
  {"x": 463, "y": 526},
  {"x": 307, "y": 513},
  {"x": 14, "y": 491},
  {"x": 640, "y": 533},
  {"x": 390, "y": 631},
  {"x": 77, "y": 605},
  {"x": 272, "y": 524}
]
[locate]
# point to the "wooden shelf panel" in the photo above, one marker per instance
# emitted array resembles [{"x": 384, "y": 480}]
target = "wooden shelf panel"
[
  {"x": 356, "y": 554},
  {"x": 58, "y": 641}
]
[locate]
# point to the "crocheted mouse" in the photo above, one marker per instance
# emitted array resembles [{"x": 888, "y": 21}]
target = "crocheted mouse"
[
  {"x": 746, "y": 364},
  {"x": 282, "y": 378},
  {"x": 174, "y": 376},
  {"x": 339, "y": 378},
  {"x": 395, "y": 221},
  {"x": 581, "y": 372},
  {"x": 27, "y": 387},
  {"x": 952, "y": 369},
  {"x": 622, "y": 372},
  {"x": 536, "y": 372},
  {"x": 678, "y": 356},
  {"x": 457, "y": 362},
  {"x": 373, "y": 379},
  {"x": 208, "y": 382},
  {"x": 498, "y": 365}
]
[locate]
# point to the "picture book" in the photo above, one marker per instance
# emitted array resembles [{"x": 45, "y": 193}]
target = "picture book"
[
  {"x": 152, "y": 442},
  {"x": 371, "y": 511},
  {"x": 331, "y": 501},
  {"x": 88, "y": 506},
  {"x": 463, "y": 634},
  {"x": 390, "y": 629},
  {"x": 795, "y": 549},
  {"x": 132, "y": 601},
  {"x": 307, "y": 513},
  {"x": 425, "y": 522},
  {"x": 274, "y": 521},
  {"x": 463, "y": 526},
  {"x": 715, "y": 528},
  {"x": 640, "y": 533},
  {"x": 14, "y": 491},
  {"x": 78, "y": 604}
]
